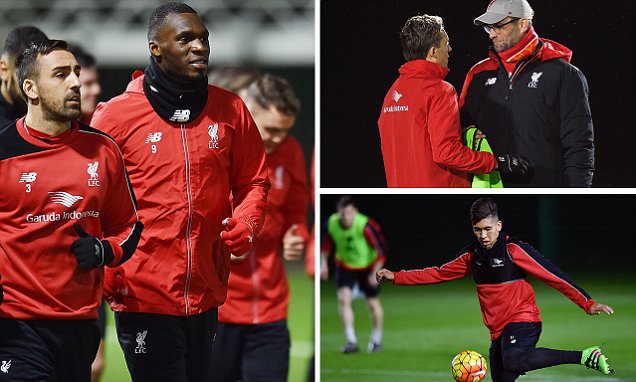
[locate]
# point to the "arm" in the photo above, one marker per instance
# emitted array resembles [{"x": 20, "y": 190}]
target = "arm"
[
  {"x": 325, "y": 250},
  {"x": 295, "y": 208},
  {"x": 577, "y": 133},
  {"x": 249, "y": 185},
  {"x": 445, "y": 133},
  {"x": 457, "y": 268},
  {"x": 531, "y": 261}
]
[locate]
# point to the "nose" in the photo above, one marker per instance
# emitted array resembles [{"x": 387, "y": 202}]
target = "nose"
[
  {"x": 483, "y": 234},
  {"x": 198, "y": 45},
  {"x": 492, "y": 34},
  {"x": 74, "y": 81}
]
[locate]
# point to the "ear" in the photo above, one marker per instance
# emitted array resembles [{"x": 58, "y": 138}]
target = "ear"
[
  {"x": 155, "y": 49},
  {"x": 4, "y": 70},
  {"x": 431, "y": 54},
  {"x": 499, "y": 225},
  {"x": 30, "y": 89}
]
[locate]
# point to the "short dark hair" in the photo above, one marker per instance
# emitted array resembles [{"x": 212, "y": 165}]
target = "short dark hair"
[
  {"x": 158, "y": 16},
  {"x": 233, "y": 78},
  {"x": 26, "y": 62},
  {"x": 20, "y": 38},
  {"x": 269, "y": 90},
  {"x": 85, "y": 59},
  {"x": 346, "y": 200},
  {"x": 419, "y": 34},
  {"x": 483, "y": 208}
]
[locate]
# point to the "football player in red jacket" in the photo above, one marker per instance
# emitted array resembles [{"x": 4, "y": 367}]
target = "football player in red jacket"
[
  {"x": 66, "y": 211},
  {"x": 197, "y": 164},
  {"x": 252, "y": 341},
  {"x": 499, "y": 265}
]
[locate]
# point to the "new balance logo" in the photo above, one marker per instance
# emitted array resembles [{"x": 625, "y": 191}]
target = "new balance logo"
[
  {"x": 141, "y": 342},
  {"x": 5, "y": 366},
  {"x": 181, "y": 115},
  {"x": 396, "y": 96},
  {"x": 535, "y": 80},
  {"x": 92, "y": 171},
  {"x": 28, "y": 177},
  {"x": 64, "y": 198},
  {"x": 153, "y": 137},
  {"x": 213, "y": 132},
  {"x": 513, "y": 339},
  {"x": 491, "y": 81}
]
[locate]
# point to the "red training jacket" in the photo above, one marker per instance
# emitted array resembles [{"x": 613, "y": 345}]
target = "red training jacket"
[
  {"x": 258, "y": 292},
  {"x": 183, "y": 176},
  {"x": 77, "y": 177},
  {"x": 421, "y": 134},
  {"x": 505, "y": 295}
]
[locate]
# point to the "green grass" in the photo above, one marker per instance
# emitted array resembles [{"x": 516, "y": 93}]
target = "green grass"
[
  {"x": 300, "y": 321},
  {"x": 425, "y": 326}
]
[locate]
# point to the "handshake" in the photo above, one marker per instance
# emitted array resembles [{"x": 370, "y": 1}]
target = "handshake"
[{"x": 509, "y": 164}]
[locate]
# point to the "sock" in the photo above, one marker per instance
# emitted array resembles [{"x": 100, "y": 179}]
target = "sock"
[
  {"x": 376, "y": 336},
  {"x": 351, "y": 334},
  {"x": 519, "y": 360}
]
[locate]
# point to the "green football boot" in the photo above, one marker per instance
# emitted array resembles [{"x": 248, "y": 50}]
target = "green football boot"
[{"x": 594, "y": 359}]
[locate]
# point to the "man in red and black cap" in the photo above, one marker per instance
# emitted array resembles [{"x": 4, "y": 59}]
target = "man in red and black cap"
[{"x": 528, "y": 99}]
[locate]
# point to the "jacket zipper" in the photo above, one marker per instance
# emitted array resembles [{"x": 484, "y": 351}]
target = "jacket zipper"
[
  {"x": 255, "y": 283},
  {"x": 186, "y": 290}
]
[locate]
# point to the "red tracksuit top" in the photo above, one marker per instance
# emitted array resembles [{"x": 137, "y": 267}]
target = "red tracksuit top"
[
  {"x": 258, "y": 292},
  {"x": 183, "y": 176},
  {"x": 420, "y": 132},
  {"x": 77, "y": 177},
  {"x": 505, "y": 295}
]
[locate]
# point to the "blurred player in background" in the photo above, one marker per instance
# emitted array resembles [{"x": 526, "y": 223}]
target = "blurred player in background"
[
  {"x": 527, "y": 97},
  {"x": 91, "y": 89},
  {"x": 89, "y": 92},
  {"x": 66, "y": 211},
  {"x": 12, "y": 102},
  {"x": 360, "y": 250},
  {"x": 253, "y": 341},
  {"x": 500, "y": 264},
  {"x": 189, "y": 148}
]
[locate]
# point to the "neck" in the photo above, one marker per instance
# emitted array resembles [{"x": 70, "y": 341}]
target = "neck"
[{"x": 36, "y": 120}]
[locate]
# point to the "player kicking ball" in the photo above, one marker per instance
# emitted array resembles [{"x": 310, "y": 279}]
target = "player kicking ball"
[{"x": 499, "y": 264}]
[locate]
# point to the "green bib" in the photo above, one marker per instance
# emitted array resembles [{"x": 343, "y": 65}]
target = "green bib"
[
  {"x": 492, "y": 180},
  {"x": 351, "y": 246}
]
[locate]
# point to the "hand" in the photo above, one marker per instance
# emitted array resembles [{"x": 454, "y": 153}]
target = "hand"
[
  {"x": 384, "y": 274},
  {"x": 509, "y": 164},
  {"x": 293, "y": 243},
  {"x": 238, "y": 236},
  {"x": 89, "y": 250},
  {"x": 324, "y": 269},
  {"x": 478, "y": 134},
  {"x": 598, "y": 308}
]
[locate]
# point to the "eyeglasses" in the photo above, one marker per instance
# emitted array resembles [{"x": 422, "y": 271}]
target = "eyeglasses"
[{"x": 497, "y": 28}]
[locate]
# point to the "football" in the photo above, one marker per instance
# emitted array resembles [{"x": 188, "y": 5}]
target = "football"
[{"x": 469, "y": 366}]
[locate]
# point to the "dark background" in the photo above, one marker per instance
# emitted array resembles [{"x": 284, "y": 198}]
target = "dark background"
[
  {"x": 114, "y": 80},
  {"x": 579, "y": 233},
  {"x": 361, "y": 53}
]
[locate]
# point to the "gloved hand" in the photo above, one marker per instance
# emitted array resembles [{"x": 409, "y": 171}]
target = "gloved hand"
[
  {"x": 238, "y": 236},
  {"x": 510, "y": 164},
  {"x": 90, "y": 251}
]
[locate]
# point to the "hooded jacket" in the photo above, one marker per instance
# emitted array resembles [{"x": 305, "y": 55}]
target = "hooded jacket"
[
  {"x": 420, "y": 132},
  {"x": 540, "y": 112},
  {"x": 183, "y": 176}
]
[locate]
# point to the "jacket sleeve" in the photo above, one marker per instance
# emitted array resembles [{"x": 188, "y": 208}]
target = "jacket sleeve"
[
  {"x": 297, "y": 198},
  {"x": 457, "y": 268},
  {"x": 531, "y": 261},
  {"x": 445, "y": 133},
  {"x": 249, "y": 182},
  {"x": 119, "y": 219},
  {"x": 374, "y": 236},
  {"x": 577, "y": 133}
]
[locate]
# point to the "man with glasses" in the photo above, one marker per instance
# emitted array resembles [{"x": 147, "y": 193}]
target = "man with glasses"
[{"x": 527, "y": 98}]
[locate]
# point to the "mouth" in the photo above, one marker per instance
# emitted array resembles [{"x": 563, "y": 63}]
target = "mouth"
[
  {"x": 73, "y": 99},
  {"x": 200, "y": 63}
]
